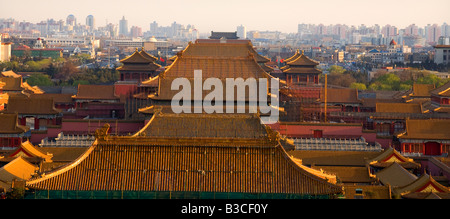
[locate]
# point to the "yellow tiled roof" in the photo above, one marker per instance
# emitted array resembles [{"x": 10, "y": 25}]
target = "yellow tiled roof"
[
  {"x": 18, "y": 169},
  {"x": 399, "y": 108},
  {"x": 426, "y": 129}
]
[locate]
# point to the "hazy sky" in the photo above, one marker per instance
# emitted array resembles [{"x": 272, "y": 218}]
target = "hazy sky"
[{"x": 225, "y": 15}]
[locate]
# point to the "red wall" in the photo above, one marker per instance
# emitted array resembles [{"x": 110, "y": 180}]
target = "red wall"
[
  {"x": 84, "y": 127},
  {"x": 329, "y": 130},
  {"x": 125, "y": 89}
]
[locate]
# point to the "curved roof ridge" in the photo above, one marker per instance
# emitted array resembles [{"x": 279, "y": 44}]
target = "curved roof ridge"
[
  {"x": 405, "y": 178},
  {"x": 303, "y": 60},
  {"x": 64, "y": 168},
  {"x": 17, "y": 168},
  {"x": 310, "y": 173},
  {"x": 147, "y": 55},
  {"x": 425, "y": 183},
  {"x": 390, "y": 155},
  {"x": 136, "y": 57},
  {"x": 295, "y": 56}
]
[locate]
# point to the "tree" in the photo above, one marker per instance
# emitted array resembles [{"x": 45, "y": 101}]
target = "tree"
[
  {"x": 67, "y": 71},
  {"x": 343, "y": 80},
  {"x": 431, "y": 79},
  {"x": 388, "y": 81},
  {"x": 358, "y": 86},
  {"x": 39, "y": 80},
  {"x": 336, "y": 69}
]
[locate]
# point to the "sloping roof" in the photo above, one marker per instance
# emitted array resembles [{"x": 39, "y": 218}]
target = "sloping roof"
[
  {"x": 223, "y": 50},
  {"x": 434, "y": 129},
  {"x": 148, "y": 56},
  {"x": 96, "y": 92},
  {"x": 32, "y": 106},
  {"x": 136, "y": 58},
  {"x": 10, "y": 74},
  {"x": 222, "y": 68},
  {"x": 425, "y": 183},
  {"x": 12, "y": 83},
  {"x": 395, "y": 175},
  {"x": 17, "y": 169},
  {"x": 399, "y": 108},
  {"x": 142, "y": 163},
  {"x": 32, "y": 89},
  {"x": 443, "y": 90},
  {"x": 217, "y": 67},
  {"x": 10, "y": 125},
  {"x": 204, "y": 125},
  {"x": 302, "y": 60},
  {"x": 422, "y": 90},
  {"x": 296, "y": 55},
  {"x": 139, "y": 61},
  {"x": 390, "y": 155},
  {"x": 28, "y": 150},
  {"x": 337, "y": 95}
]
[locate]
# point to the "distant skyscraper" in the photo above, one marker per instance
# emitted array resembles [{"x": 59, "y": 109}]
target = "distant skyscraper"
[
  {"x": 432, "y": 32},
  {"x": 154, "y": 27},
  {"x": 242, "y": 32},
  {"x": 71, "y": 20},
  {"x": 412, "y": 30},
  {"x": 389, "y": 31},
  {"x": 340, "y": 30},
  {"x": 90, "y": 22},
  {"x": 376, "y": 29},
  {"x": 136, "y": 31},
  {"x": 445, "y": 30},
  {"x": 123, "y": 27},
  {"x": 321, "y": 29}
]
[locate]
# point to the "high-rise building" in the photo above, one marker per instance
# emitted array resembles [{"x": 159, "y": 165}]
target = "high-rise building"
[
  {"x": 389, "y": 31},
  {"x": 90, "y": 22},
  {"x": 376, "y": 29},
  {"x": 445, "y": 30},
  {"x": 432, "y": 33},
  {"x": 136, "y": 31},
  {"x": 321, "y": 29},
  {"x": 123, "y": 26},
  {"x": 302, "y": 28},
  {"x": 71, "y": 20},
  {"x": 242, "y": 32},
  {"x": 412, "y": 30},
  {"x": 340, "y": 30},
  {"x": 154, "y": 27}
]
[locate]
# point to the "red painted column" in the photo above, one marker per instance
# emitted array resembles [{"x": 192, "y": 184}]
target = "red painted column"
[
  {"x": 391, "y": 131},
  {"x": 36, "y": 123},
  {"x": 23, "y": 121}
]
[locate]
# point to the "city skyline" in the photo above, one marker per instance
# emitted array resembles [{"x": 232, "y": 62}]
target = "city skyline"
[{"x": 261, "y": 15}]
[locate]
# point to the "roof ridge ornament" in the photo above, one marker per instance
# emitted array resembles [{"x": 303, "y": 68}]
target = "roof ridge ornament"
[{"x": 102, "y": 133}]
